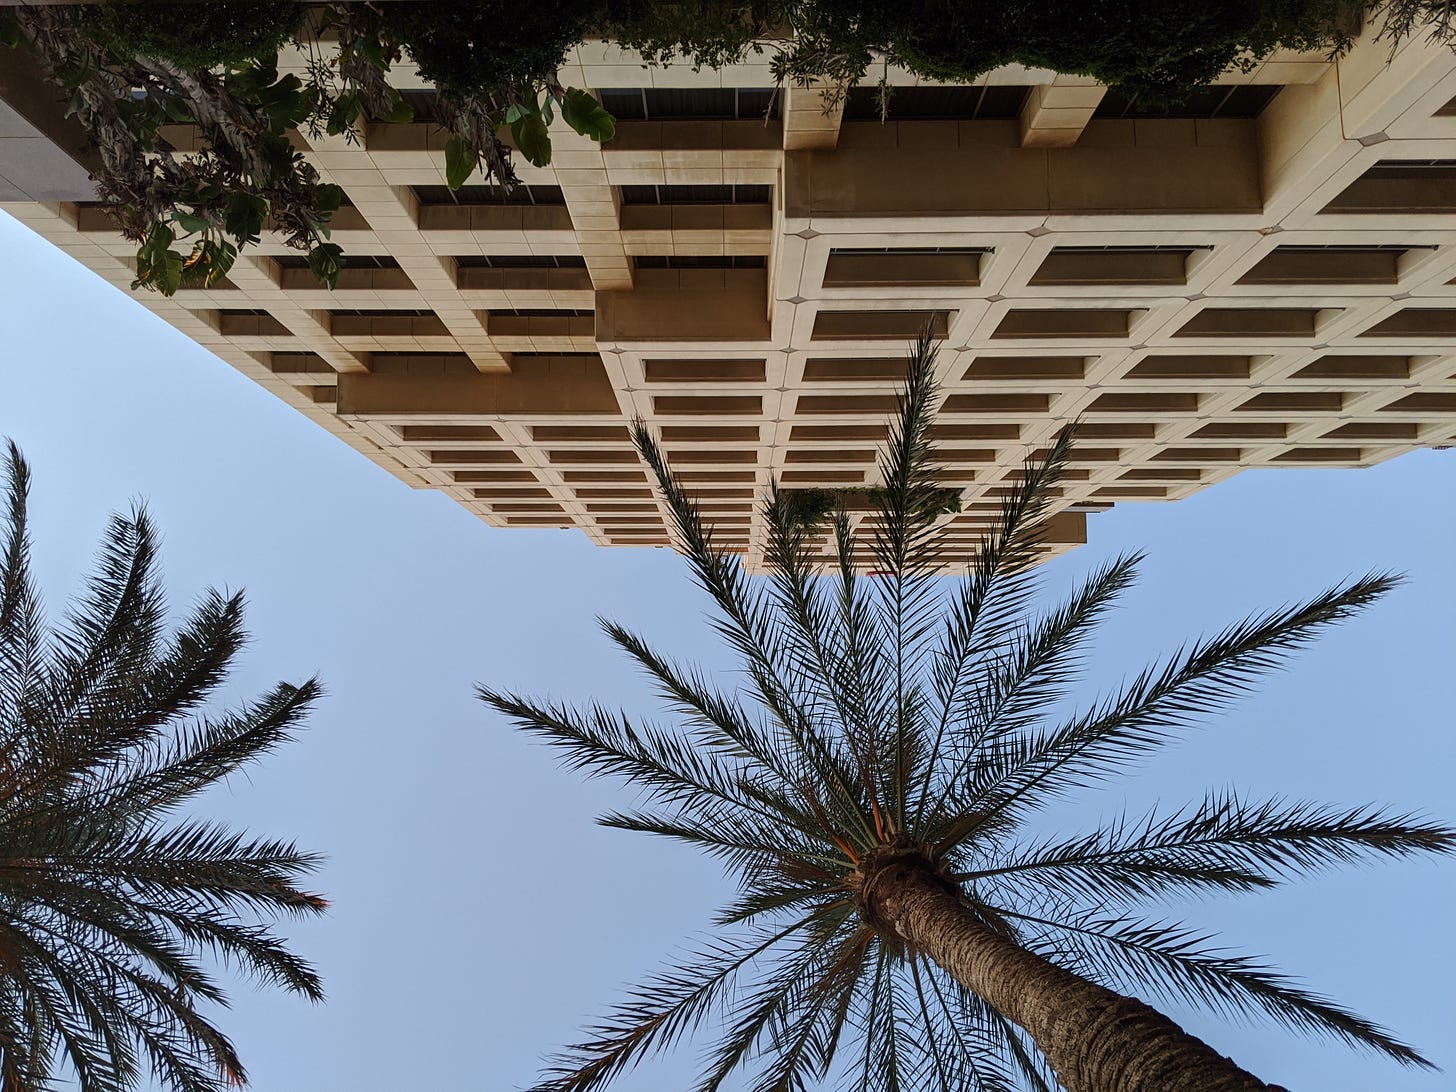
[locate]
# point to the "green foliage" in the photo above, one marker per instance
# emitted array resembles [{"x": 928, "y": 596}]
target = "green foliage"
[
  {"x": 914, "y": 718},
  {"x": 193, "y": 35},
  {"x": 707, "y": 33},
  {"x": 477, "y": 47},
  {"x": 460, "y": 157},
  {"x": 1158, "y": 51},
  {"x": 586, "y": 115},
  {"x": 112, "y": 905},
  {"x": 129, "y": 69},
  {"x": 529, "y": 135},
  {"x": 812, "y": 507}
]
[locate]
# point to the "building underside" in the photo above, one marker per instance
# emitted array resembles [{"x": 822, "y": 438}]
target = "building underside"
[{"x": 1265, "y": 278}]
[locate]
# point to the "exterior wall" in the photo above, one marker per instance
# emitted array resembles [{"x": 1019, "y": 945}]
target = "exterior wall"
[{"x": 1205, "y": 294}]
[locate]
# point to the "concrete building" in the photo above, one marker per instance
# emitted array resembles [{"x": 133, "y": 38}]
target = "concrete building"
[{"x": 1266, "y": 279}]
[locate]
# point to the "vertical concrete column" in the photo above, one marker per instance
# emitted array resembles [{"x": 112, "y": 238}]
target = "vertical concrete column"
[
  {"x": 255, "y": 278},
  {"x": 595, "y": 208},
  {"x": 392, "y": 216},
  {"x": 810, "y": 122},
  {"x": 1313, "y": 137},
  {"x": 1056, "y": 113}
]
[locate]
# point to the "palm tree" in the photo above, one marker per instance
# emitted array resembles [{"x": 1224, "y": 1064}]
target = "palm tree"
[
  {"x": 108, "y": 899},
  {"x": 869, "y": 791}
]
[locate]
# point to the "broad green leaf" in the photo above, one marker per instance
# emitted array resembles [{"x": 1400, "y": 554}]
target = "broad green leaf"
[
  {"x": 9, "y": 29},
  {"x": 344, "y": 113},
  {"x": 326, "y": 261},
  {"x": 160, "y": 238},
  {"x": 532, "y": 139},
  {"x": 243, "y": 216},
  {"x": 587, "y": 116},
  {"x": 221, "y": 258},
  {"x": 329, "y": 197},
  {"x": 400, "y": 113},
  {"x": 167, "y": 274},
  {"x": 190, "y": 223},
  {"x": 515, "y": 113},
  {"x": 460, "y": 160},
  {"x": 176, "y": 110},
  {"x": 373, "y": 49}
]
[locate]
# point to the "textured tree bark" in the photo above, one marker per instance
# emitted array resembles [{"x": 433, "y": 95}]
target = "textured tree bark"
[{"x": 1096, "y": 1040}]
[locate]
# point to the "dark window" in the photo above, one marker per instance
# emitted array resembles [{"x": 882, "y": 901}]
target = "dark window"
[
  {"x": 922, "y": 103},
  {"x": 426, "y": 104},
  {"x": 521, "y": 261},
  {"x": 351, "y": 261},
  {"x": 490, "y": 195},
  {"x": 1356, "y": 249},
  {"x": 538, "y": 312},
  {"x": 1243, "y": 101},
  {"x": 384, "y": 312},
  {"x": 1405, "y": 166},
  {"x": 854, "y": 250},
  {"x": 1182, "y": 248},
  {"x": 592, "y": 358},
  {"x": 696, "y": 195},
  {"x": 690, "y": 103},
  {"x": 734, "y": 261}
]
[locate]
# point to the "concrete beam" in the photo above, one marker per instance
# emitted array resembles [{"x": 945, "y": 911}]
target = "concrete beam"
[
  {"x": 1056, "y": 113},
  {"x": 810, "y": 123}
]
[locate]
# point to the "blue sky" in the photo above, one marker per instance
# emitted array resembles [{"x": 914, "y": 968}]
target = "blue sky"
[{"x": 480, "y": 917}]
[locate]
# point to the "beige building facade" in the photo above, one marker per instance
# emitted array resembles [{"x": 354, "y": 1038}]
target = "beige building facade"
[{"x": 1266, "y": 278}]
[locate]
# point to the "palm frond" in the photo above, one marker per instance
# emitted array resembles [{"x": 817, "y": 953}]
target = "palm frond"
[
  {"x": 825, "y": 645},
  {"x": 672, "y": 1003},
  {"x": 987, "y": 609},
  {"x": 1180, "y": 964},
  {"x": 106, "y": 915},
  {"x": 1027, "y": 677},
  {"x": 906, "y": 548},
  {"x": 1159, "y": 703},
  {"x": 894, "y": 733},
  {"x": 788, "y": 1007},
  {"x": 173, "y": 767},
  {"x": 20, "y": 619},
  {"x": 720, "y": 723},
  {"x": 600, "y": 743},
  {"x": 959, "y": 1050},
  {"x": 1225, "y": 843},
  {"x": 741, "y": 841}
]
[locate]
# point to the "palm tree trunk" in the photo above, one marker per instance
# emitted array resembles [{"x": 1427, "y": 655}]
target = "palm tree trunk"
[{"x": 1096, "y": 1040}]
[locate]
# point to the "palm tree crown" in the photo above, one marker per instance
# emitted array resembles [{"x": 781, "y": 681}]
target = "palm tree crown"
[
  {"x": 108, "y": 899},
  {"x": 908, "y": 724}
]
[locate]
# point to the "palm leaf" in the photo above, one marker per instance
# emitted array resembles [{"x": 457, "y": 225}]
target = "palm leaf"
[{"x": 1179, "y": 964}]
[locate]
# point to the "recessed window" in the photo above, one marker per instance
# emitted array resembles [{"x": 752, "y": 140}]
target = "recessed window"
[
  {"x": 490, "y": 195},
  {"x": 695, "y": 261},
  {"x": 350, "y": 261},
  {"x": 540, "y": 312},
  {"x": 853, "y": 267},
  {"x": 425, "y": 102},
  {"x": 1401, "y": 185},
  {"x": 696, "y": 195},
  {"x": 1329, "y": 265},
  {"x": 520, "y": 261},
  {"x": 690, "y": 103},
  {"x": 878, "y": 325},
  {"x": 985, "y": 103},
  {"x": 1084, "y": 265},
  {"x": 1222, "y": 101}
]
